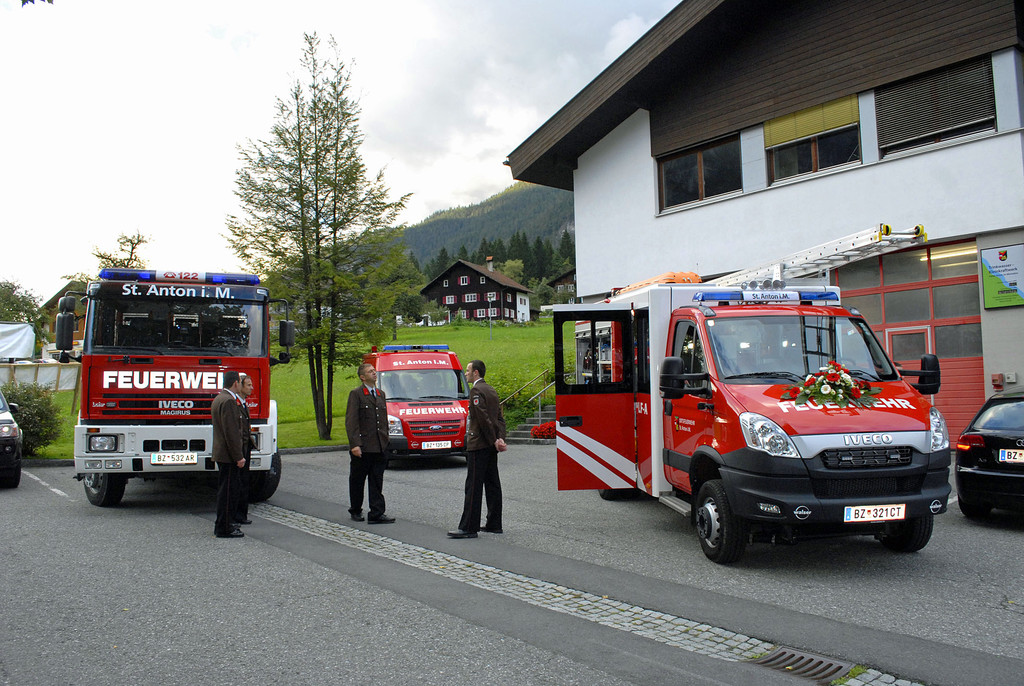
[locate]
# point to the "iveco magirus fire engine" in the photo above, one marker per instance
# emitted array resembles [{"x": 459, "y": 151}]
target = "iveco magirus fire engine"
[
  {"x": 688, "y": 392},
  {"x": 156, "y": 346}
]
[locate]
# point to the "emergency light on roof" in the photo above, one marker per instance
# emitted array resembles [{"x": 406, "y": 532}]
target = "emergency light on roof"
[
  {"x": 780, "y": 296},
  {"x": 154, "y": 275},
  {"x": 440, "y": 346}
]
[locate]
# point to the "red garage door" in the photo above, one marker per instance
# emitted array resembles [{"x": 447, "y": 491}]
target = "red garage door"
[{"x": 926, "y": 300}]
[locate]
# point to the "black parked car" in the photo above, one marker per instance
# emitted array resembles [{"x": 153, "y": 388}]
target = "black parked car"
[
  {"x": 10, "y": 446},
  {"x": 990, "y": 457}
]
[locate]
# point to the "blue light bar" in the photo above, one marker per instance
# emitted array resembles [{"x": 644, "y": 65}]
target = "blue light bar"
[
  {"x": 154, "y": 275},
  {"x": 704, "y": 296},
  {"x": 765, "y": 296},
  {"x": 819, "y": 295},
  {"x": 398, "y": 348}
]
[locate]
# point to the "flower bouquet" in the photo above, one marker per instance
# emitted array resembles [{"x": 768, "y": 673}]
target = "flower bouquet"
[
  {"x": 833, "y": 384},
  {"x": 545, "y": 430}
]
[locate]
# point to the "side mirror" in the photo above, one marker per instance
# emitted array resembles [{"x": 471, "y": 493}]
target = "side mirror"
[
  {"x": 287, "y": 333},
  {"x": 65, "y": 333},
  {"x": 929, "y": 378},
  {"x": 14, "y": 408},
  {"x": 675, "y": 384},
  {"x": 67, "y": 304}
]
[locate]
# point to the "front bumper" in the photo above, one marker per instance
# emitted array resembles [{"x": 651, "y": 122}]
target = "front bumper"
[
  {"x": 399, "y": 446},
  {"x": 10, "y": 454},
  {"x": 803, "y": 492}
]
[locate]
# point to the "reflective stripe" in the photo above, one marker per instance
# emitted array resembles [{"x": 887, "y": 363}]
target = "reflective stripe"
[{"x": 613, "y": 479}]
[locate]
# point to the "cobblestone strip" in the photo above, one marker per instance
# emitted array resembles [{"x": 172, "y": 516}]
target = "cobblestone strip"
[{"x": 659, "y": 626}]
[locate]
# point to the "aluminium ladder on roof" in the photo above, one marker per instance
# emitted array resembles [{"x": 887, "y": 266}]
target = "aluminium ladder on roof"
[{"x": 836, "y": 253}]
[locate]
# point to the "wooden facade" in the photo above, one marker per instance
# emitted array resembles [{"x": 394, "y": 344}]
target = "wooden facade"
[
  {"x": 711, "y": 68},
  {"x": 468, "y": 285}
]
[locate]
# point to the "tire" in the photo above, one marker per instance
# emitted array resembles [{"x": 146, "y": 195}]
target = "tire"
[
  {"x": 722, "y": 535},
  {"x": 910, "y": 536},
  {"x": 973, "y": 510},
  {"x": 262, "y": 485},
  {"x": 104, "y": 490},
  {"x": 618, "y": 493},
  {"x": 11, "y": 480}
]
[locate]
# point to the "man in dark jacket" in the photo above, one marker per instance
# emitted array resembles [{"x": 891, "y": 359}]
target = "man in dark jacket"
[
  {"x": 485, "y": 438},
  {"x": 226, "y": 412},
  {"x": 366, "y": 422},
  {"x": 246, "y": 389}
]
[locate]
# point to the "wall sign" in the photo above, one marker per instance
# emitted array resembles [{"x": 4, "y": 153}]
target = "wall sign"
[{"x": 1001, "y": 270}]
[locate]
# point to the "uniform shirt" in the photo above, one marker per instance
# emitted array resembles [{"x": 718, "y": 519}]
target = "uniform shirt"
[{"x": 366, "y": 420}]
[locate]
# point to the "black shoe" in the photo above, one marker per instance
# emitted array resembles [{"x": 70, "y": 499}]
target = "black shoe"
[
  {"x": 459, "y": 533},
  {"x": 357, "y": 516},
  {"x": 493, "y": 529},
  {"x": 383, "y": 519},
  {"x": 243, "y": 521},
  {"x": 234, "y": 533}
]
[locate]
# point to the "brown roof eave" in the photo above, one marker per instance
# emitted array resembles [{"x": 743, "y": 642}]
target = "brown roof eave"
[{"x": 548, "y": 157}]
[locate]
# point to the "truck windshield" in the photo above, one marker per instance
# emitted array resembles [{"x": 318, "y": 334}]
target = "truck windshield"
[
  {"x": 424, "y": 384},
  {"x": 155, "y": 326},
  {"x": 783, "y": 348}
]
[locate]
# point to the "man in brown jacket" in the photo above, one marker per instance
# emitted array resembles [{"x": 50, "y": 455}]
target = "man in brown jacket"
[
  {"x": 226, "y": 412},
  {"x": 366, "y": 422},
  {"x": 485, "y": 438}
]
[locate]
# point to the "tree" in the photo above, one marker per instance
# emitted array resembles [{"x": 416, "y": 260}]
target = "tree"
[
  {"x": 567, "y": 247},
  {"x": 321, "y": 230},
  {"x": 19, "y": 305},
  {"x": 513, "y": 269},
  {"x": 126, "y": 256}
]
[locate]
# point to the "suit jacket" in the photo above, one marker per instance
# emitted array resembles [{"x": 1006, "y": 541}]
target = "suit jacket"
[
  {"x": 485, "y": 423},
  {"x": 227, "y": 428},
  {"x": 366, "y": 420}
]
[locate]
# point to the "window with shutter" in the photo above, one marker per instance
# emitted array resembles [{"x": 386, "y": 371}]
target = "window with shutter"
[{"x": 937, "y": 106}]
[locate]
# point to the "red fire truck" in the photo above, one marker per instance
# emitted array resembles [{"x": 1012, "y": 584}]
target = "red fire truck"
[
  {"x": 428, "y": 399},
  {"x": 156, "y": 346},
  {"x": 691, "y": 393}
]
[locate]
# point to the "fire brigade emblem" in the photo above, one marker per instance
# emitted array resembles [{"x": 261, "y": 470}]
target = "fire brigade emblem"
[{"x": 476, "y": 400}]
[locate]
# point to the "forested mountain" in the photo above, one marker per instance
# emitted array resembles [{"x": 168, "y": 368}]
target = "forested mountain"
[{"x": 532, "y": 211}]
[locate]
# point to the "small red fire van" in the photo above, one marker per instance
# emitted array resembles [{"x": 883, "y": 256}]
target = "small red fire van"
[{"x": 428, "y": 399}]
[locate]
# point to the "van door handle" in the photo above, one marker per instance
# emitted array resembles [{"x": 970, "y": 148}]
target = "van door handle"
[{"x": 570, "y": 421}]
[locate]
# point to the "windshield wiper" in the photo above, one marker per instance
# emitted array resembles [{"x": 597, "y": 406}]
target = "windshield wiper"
[
  {"x": 861, "y": 374},
  {"x": 436, "y": 397},
  {"x": 792, "y": 376}
]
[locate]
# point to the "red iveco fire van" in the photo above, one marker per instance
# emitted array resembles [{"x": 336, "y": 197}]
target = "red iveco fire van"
[{"x": 428, "y": 399}]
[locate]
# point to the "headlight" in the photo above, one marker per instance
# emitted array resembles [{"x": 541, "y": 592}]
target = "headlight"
[
  {"x": 8, "y": 430},
  {"x": 940, "y": 435},
  {"x": 394, "y": 426},
  {"x": 102, "y": 444},
  {"x": 764, "y": 434}
]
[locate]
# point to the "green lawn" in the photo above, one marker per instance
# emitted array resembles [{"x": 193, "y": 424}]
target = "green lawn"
[{"x": 514, "y": 354}]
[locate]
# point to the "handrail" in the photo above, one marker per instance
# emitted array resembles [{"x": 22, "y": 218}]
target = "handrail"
[
  {"x": 541, "y": 392},
  {"x": 523, "y": 387}
]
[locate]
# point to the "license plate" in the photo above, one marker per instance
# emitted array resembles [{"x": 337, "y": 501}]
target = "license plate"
[
  {"x": 874, "y": 513},
  {"x": 436, "y": 445},
  {"x": 1010, "y": 455},
  {"x": 174, "y": 458}
]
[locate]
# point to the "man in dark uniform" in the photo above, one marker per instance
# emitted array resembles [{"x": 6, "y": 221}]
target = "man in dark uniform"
[
  {"x": 485, "y": 438},
  {"x": 366, "y": 422},
  {"x": 226, "y": 412},
  {"x": 242, "y": 514}
]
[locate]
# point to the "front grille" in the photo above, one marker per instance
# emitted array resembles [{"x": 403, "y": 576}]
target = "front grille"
[
  {"x": 851, "y": 458},
  {"x": 155, "y": 405},
  {"x": 867, "y": 488},
  {"x": 449, "y": 427}
]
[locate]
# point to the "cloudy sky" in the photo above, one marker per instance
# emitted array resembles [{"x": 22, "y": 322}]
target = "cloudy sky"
[{"x": 119, "y": 117}]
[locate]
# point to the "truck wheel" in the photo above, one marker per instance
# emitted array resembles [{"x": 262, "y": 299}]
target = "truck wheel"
[
  {"x": 973, "y": 510},
  {"x": 104, "y": 490},
  {"x": 722, "y": 535},
  {"x": 910, "y": 536},
  {"x": 262, "y": 485},
  {"x": 618, "y": 493},
  {"x": 11, "y": 480}
]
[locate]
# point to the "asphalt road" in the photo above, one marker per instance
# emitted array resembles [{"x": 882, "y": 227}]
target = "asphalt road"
[{"x": 144, "y": 593}]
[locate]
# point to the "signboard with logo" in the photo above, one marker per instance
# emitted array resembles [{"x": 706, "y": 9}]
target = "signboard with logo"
[{"x": 1000, "y": 276}]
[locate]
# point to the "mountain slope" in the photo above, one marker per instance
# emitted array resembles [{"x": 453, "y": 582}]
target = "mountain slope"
[{"x": 535, "y": 211}]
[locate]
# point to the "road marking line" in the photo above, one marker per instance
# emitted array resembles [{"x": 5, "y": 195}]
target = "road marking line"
[{"x": 55, "y": 490}]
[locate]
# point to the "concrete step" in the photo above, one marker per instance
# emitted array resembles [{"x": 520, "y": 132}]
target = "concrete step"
[{"x": 529, "y": 441}]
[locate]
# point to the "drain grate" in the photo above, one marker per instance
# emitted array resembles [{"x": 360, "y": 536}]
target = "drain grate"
[{"x": 807, "y": 665}]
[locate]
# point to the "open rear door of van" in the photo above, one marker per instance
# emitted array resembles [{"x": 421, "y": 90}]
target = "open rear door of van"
[{"x": 594, "y": 402}]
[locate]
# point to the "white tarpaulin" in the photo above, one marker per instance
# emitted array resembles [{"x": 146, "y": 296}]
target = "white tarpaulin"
[
  {"x": 59, "y": 377},
  {"x": 17, "y": 341}
]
